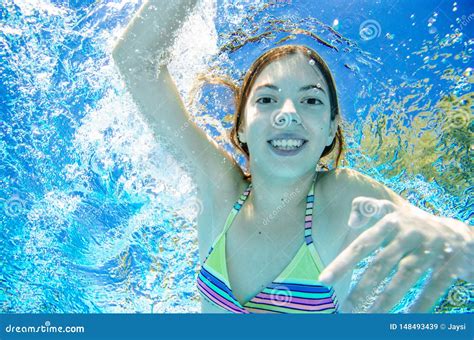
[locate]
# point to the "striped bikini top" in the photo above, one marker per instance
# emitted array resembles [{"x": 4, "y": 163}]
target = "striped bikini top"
[{"x": 295, "y": 290}]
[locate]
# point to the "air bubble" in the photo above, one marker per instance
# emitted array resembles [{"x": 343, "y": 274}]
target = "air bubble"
[
  {"x": 311, "y": 62},
  {"x": 448, "y": 249}
]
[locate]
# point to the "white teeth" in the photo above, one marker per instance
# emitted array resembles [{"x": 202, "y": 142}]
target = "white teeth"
[{"x": 287, "y": 144}]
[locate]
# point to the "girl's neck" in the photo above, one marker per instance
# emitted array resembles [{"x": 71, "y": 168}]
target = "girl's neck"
[{"x": 273, "y": 197}]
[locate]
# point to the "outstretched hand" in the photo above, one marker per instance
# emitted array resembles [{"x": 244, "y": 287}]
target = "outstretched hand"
[{"x": 413, "y": 241}]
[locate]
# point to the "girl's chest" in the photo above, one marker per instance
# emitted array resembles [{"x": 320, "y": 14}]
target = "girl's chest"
[{"x": 256, "y": 254}]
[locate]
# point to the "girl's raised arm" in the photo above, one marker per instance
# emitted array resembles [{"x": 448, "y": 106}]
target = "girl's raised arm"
[{"x": 136, "y": 54}]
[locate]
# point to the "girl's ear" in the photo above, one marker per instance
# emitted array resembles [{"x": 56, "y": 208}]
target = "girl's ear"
[
  {"x": 241, "y": 132},
  {"x": 332, "y": 131},
  {"x": 241, "y": 135}
]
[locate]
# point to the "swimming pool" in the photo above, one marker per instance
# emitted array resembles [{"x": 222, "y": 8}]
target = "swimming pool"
[{"x": 99, "y": 217}]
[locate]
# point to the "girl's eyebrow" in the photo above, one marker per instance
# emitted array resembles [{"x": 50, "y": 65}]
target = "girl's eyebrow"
[
  {"x": 304, "y": 88},
  {"x": 312, "y": 86},
  {"x": 270, "y": 86}
]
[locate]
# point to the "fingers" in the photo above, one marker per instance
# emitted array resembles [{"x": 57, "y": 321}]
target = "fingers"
[
  {"x": 410, "y": 268},
  {"x": 436, "y": 287},
  {"x": 366, "y": 208},
  {"x": 371, "y": 239},
  {"x": 443, "y": 277},
  {"x": 382, "y": 265}
]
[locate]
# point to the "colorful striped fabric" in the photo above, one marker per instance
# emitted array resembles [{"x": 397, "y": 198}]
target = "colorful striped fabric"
[{"x": 295, "y": 290}]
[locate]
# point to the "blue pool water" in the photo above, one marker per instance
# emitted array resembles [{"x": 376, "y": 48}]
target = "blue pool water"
[{"x": 97, "y": 216}]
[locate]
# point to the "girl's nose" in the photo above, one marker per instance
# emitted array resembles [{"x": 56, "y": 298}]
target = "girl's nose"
[
  {"x": 287, "y": 115},
  {"x": 288, "y": 106}
]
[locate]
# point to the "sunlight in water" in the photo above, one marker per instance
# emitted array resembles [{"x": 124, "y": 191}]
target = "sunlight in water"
[{"x": 100, "y": 215}]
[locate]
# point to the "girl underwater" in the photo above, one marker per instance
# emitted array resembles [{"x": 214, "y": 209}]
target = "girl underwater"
[{"x": 285, "y": 238}]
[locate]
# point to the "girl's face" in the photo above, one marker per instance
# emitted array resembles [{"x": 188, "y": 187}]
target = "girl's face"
[{"x": 287, "y": 119}]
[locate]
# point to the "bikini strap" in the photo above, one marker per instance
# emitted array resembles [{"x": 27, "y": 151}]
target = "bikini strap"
[
  {"x": 308, "y": 219},
  {"x": 230, "y": 218},
  {"x": 308, "y": 214},
  {"x": 236, "y": 208}
]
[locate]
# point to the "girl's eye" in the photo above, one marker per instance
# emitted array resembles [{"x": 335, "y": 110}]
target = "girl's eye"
[
  {"x": 265, "y": 100},
  {"x": 313, "y": 101}
]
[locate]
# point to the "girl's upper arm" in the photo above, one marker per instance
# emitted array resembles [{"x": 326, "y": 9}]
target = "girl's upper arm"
[{"x": 162, "y": 108}]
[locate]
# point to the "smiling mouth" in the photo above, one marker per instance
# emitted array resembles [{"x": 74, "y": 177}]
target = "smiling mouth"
[{"x": 287, "y": 144}]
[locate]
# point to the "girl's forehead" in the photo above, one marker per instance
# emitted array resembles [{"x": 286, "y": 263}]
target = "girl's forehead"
[{"x": 293, "y": 69}]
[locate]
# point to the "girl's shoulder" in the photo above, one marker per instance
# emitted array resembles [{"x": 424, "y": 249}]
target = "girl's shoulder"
[
  {"x": 346, "y": 184},
  {"x": 340, "y": 179}
]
